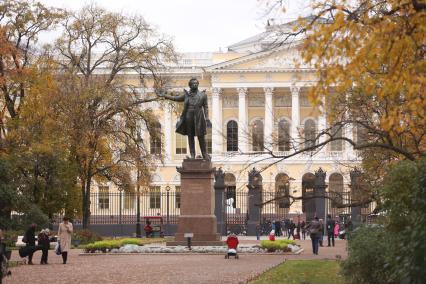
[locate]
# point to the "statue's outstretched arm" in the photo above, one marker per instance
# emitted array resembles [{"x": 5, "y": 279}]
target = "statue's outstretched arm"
[{"x": 178, "y": 98}]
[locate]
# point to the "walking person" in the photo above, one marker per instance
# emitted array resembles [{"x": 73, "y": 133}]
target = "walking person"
[
  {"x": 303, "y": 228},
  {"x": 292, "y": 226},
  {"x": 330, "y": 230},
  {"x": 336, "y": 229},
  {"x": 65, "y": 234},
  {"x": 278, "y": 232},
  {"x": 44, "y": 244},
  {"x": 29, "y": 240},
  {"x": 315, "y": 231},
  {"x": 321, "y": 237},
  {"x": 298, "y": 230}
]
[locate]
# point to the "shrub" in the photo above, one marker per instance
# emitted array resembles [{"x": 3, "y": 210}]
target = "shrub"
[
  {"x": 277, "y": 245},
  {"x": 111, "y": 244},
  {"x": 368, "y": 250},
  {"x": 10, "y": 237},
  {"x": 86, "y": 236}
]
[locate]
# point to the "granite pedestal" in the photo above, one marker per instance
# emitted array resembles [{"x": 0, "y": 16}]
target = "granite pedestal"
[{"x": 197, "y": 205}]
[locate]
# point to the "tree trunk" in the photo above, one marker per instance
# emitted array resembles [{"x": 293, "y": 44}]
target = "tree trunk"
[{"x": 86, "y": 202}]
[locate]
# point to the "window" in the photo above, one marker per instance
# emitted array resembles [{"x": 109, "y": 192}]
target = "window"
[
  {"x": 257, "y": 135},
  {"x": 129, "y": 199},
  {"x": 154, "y": 197},
  {"x": 282, "y": 188},
  {"x": 177, "y": 197},
  {"x": 361, "y": 134},
  {"x": 209, "y": 140},
  {"x": 336, "y": 145},
  {"x": 310, "y": 133},
  {"x": 231, "y": 189},
  {"x": 232, "y": 136},
  {"x": 155, "y": 141},
  {"x": 336, "y": 189},
  {"x": 103, "y": 197},
  {"x": 180, "y": 144},
  {"x": 283, "y": 135}
]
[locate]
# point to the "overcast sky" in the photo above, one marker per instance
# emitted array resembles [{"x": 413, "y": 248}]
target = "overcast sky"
[{"x": 195, "y": 25}]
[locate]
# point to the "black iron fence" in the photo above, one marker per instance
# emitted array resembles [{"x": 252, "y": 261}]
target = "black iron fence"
[
  {"x": 122, "y": 207},
  {"x": 112, "y": 208}
]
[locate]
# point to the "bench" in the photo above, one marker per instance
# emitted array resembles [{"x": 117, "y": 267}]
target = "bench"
[{"x": 20, "y": 243}]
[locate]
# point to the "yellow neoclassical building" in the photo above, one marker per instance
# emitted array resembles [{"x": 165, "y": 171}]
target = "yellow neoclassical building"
[{"x": 257, "y": 100}]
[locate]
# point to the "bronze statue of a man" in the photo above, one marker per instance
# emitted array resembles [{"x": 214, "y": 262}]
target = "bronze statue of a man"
[{"x": 194, "y": 119}]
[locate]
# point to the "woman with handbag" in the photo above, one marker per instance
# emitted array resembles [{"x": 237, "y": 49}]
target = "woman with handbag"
[{"x": 65, "y": 233}]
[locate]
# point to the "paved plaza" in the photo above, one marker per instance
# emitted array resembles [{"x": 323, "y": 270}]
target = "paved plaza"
[{"x": 160, "y": 268}]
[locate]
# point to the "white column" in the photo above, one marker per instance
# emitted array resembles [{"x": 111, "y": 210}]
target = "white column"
[
  {"x": 217, "y": 132},
  {"x": 348, "y": 132},
  {"x": 269, "y": 119},
  {"x": 322, "y": 124},
  {"x": 168, "y": 133},
  {"x": 242, "y": 120},
  {"x": 295, "y": 116}
]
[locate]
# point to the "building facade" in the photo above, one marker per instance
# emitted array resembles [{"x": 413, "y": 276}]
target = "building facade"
[{"x": 260, "y": 113}]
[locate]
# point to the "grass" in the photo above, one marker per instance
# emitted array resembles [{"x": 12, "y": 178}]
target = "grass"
[{"x": 303, "y": 271}]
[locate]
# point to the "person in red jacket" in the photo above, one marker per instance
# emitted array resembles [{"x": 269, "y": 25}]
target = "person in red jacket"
[{"x": 148, "y": 229}]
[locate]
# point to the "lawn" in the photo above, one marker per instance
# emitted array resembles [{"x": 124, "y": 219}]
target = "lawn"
[{"x": 303, "y": 271}]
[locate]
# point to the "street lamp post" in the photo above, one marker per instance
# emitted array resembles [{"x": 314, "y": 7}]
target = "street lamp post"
[
  {"x": 138, "y": 208},
  {"x": 167, "y": 208}
]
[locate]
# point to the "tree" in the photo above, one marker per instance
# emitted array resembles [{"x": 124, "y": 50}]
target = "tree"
[
  {"x": 21, "y": 22},
  {"x": 369, "y": 58},
  {"x": 103, "y": 57}
]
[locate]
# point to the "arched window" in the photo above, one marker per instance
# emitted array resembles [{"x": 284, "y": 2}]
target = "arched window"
[
  {"x": 180, "y": 144},
  {"x": 209, "y": 140},
  {"x": 336, "y": 145},
  {"x": 282, "y": 188},
  {"x": 283, "y": 135},
  {"x": 155, "y": 141},
  {"x": 257, "y": 135},
  {"x": 336, "y": 189},
  {"x": 310, "y": 133},
  {"x": 231, "y": 188},
  {"x": 232, "y": 136}
]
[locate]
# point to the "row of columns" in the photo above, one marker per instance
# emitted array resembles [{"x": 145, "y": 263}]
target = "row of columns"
[{"x": 243, "y": 127}]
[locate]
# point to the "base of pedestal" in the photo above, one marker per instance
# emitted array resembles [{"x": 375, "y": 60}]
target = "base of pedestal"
[{"x": 196, "y": 243}]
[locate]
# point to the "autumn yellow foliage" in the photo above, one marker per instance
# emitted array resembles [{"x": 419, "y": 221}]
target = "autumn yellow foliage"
[{"x": 371, "y": 55}]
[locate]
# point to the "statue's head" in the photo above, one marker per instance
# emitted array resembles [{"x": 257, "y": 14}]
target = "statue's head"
[{"x": 193, "y": 84}]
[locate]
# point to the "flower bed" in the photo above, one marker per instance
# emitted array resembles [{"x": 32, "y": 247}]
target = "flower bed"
[
  {"x": 278, "y": 245},
  {"x": 108, "y": 245}
]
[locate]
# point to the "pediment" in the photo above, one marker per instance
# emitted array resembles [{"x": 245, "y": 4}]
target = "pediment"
[{"x": 281, "y": 59}]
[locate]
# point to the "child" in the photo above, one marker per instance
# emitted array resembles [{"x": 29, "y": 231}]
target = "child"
[
  {"x": 272, "y": 235},
  {"x": 44, "y": 244}
]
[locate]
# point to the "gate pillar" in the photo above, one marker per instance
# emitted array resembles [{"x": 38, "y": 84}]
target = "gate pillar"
[
  {"x": 219, "y": 192},
  {"x": 319, "y": 193},
  {"x": 254, "y": 201}
]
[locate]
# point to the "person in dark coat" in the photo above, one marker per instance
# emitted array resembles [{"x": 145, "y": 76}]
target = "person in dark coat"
[
  {"x": 278, "y": 228},
  {"x": 29, "y": 239},
  {"x": 291, "y": 228},
  {"x": 330, "y": 229},
  {"x": 43, "y": 240},
  {"x": 315, "y": 232},
  {"x": 194, "y": 119},
  {"x": 303, "y": 228}
]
